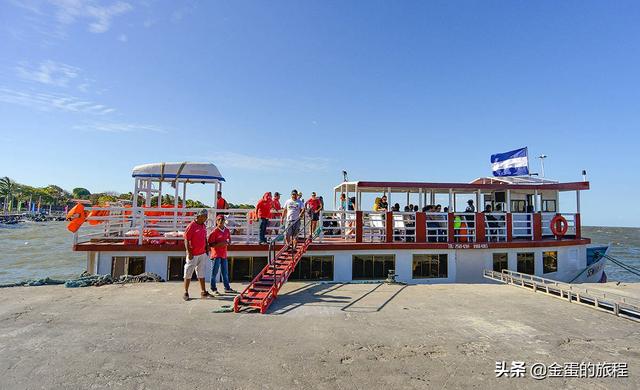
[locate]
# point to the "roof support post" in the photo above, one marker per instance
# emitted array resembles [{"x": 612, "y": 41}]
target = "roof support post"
[
  {"x": 508, "y": 208},
  {"x": 389, "y": 226},
  {"x": 420, "y": 199},
  {"x": 479, "y": 206},
  {"x": 432, "y": 198},
  {"x": 359, "y": 226},
  {"x": 577, "y": 202},
  {"x": 451, "y": 205},
  {"x": 388, "y": 197},
  {"x": 175, "y": 205},
  {"x": 536, "y": 203},
  {"x": 421, "y": 227}
]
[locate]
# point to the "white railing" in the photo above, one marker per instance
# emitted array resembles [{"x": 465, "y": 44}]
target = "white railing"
[
  {"x": 404, "y": 226},
  {"x": 495, "y": 226},
  {"x": 437, "y": 227},
  {"x": 522, "y": 225},
  {"x": 141, "y": 225},
  {"x": 337, "y": 225},
  {"x": 546, "y": 223},
  {"x": 466, "y": 231},
  {"x": 374, "y": 226}
]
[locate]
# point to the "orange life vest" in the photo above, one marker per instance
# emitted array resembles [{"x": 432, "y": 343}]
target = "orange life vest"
[{"x": 463, "y": 232}]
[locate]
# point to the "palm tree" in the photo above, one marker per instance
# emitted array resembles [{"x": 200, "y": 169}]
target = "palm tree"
[{"x": 7, "y": 188}]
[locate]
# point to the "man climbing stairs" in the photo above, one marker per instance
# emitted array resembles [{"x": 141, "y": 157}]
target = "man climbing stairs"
[{"x": 263, "y": 289}]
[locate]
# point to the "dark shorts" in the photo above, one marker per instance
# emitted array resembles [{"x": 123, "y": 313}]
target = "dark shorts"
[
  {"x": 315, "y": 216},
  {"x": 292, "y": 229}
]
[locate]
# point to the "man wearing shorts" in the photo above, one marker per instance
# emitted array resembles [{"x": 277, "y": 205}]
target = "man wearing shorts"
[
  {"x": 314, "y": 206},
  {"x": 291, "y": 212},
  {"x": 195, "y": 242}
]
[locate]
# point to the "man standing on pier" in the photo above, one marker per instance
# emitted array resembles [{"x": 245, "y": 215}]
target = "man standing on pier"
[
  {"x": 195, "y": 242},
  {"x": 218, "y": 241}
]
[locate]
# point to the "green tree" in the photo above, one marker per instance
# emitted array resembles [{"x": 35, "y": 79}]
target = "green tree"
[
  {"x": 80, "y": 193},
  {"x": 7, "y": 189}
]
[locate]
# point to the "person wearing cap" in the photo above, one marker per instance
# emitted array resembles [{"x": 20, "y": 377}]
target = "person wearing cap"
[
  {"x": 195, "y": 242},
  {"x": 218, "y": 241},
  {"x": 314, "y": 206},
  {"x": 276, "y": 204},
  {"x": 291, "y": 213}
]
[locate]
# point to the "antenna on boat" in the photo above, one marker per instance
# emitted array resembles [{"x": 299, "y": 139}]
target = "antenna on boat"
[
  {"x": 542, "y": 157},
  {"x": 584, "y": 175},
  {"x": 344, "y": 176}
]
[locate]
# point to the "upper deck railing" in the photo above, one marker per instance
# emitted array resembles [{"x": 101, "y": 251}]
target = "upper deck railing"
[{"x": 165, "y": 225}]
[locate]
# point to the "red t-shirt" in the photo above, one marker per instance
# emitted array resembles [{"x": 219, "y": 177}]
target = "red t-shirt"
[
  {"x": 196, "y": 234},
  {"x": 264, "y": 208},
  {"x": 221, "y": 204},
  {"x": 314, "y": 204},
  {"x": 218, "y": 236}
]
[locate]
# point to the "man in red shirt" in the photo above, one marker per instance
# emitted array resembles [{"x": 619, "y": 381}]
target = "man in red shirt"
[
  {"x": 218, "y": 241},
  {"x": 221, "y": 204},
  {"x": 263, "y": 213},
  {"x": 195, "y": 242},
  {"x": 314, "y": 206}
]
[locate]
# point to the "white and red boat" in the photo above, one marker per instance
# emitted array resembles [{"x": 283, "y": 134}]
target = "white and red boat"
[{"x": 530, "y": 233}]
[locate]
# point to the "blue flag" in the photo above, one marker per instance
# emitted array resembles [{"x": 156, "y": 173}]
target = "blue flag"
[{"x": 513, "y": 163}]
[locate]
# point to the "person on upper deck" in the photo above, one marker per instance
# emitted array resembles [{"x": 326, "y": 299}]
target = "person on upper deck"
[
  {"x": 490, "y": 222},
  {"x": 221, "y": 203},
  {"x": 376, "y": 204},
  {"x": 342, "y": 206},
  {"x": 470, "y": 207},
  {"x": 396, "y": 207},
  {"x": 314, "y": 205},
  {"x": 263, "y": 213},
  {"x": 277, "y": 208},
  {"x": 352, "y": 203},
  {"x": 383, "y": 203}
]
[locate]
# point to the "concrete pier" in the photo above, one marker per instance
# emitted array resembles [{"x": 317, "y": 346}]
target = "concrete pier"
[{"x": 327, "y": 336}]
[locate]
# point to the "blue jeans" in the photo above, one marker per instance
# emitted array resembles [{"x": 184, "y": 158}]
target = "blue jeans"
[
  {"x": 264, "y": 222},
  {"x": 217, "y": 262}
]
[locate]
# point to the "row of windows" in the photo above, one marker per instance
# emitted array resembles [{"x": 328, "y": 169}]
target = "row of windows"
[
  {"x": 364, "y": 267},
  {"x": 526, "y": 262}
]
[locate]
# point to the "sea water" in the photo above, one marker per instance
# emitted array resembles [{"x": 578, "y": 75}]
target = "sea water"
[{"x": 37, "y": 249}]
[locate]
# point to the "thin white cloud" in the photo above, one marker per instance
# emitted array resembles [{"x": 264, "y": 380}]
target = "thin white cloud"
[
  {"x": 52, "y": 102},
  {"x": 243, "y": 161},
  {"x": 97, "y": 15},
  {"x": 48, "y": 72},
  {"x": 119, "y": 127},
  {"x": 123, "y": 38}
]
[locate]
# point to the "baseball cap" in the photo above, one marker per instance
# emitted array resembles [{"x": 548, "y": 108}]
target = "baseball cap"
[{"x": 203, "y": 212}]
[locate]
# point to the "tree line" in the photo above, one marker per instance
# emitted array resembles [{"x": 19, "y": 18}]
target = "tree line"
[{"x": 17, "y": 196}]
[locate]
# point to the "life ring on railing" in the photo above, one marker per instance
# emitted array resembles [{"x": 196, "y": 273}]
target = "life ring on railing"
[
  {"x": 76, "y": 216},
  {"x": 559, "y": 225}
]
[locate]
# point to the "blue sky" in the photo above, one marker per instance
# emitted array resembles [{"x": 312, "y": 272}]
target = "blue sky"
[{"x": 287, "y": 94}]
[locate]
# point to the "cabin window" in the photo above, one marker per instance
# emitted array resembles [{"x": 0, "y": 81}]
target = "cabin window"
[
  {"x": 549, "y": 262},
  {"x": 518, "y": 206},
  {"x": 175, "y": 268},
  {"x": 500, "y": 261},
  {"x": 430, "y": 266},
  {"x": 245, "y": 268},
  {"x": 549, "y": 206},
  {"x": 372, "y": 267},
  {"x": 127, "y": 265},
  {"x": 526, "y": 263},
  {"x": 313, "y": 268}
]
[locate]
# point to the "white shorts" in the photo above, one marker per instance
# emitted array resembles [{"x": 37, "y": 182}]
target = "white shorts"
[{"x": 196, "y": 263}]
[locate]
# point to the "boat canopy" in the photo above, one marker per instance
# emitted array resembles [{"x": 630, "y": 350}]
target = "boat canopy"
[
  {"x": 179, "y": 171},
  {"x": 486, "y": 184}
]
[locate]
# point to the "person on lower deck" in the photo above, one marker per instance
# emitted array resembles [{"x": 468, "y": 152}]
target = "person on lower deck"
[
  {"x": 218, "y": 241},
  {"x": 195, "y": 242},
  {"x": 292, "y": 210},
  {"x": 263, "y": 213}
]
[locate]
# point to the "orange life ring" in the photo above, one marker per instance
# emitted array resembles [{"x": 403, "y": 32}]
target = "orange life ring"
[
  {"x": 559, "y": 225},
  {"x": 76, "y": 216}
]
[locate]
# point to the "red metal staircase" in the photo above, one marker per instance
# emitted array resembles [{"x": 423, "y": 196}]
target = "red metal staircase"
[{"x": 263, "y": 289}]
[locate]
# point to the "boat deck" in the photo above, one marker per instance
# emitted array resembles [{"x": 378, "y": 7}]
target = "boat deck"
[{"x": 331, "y": 244}]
